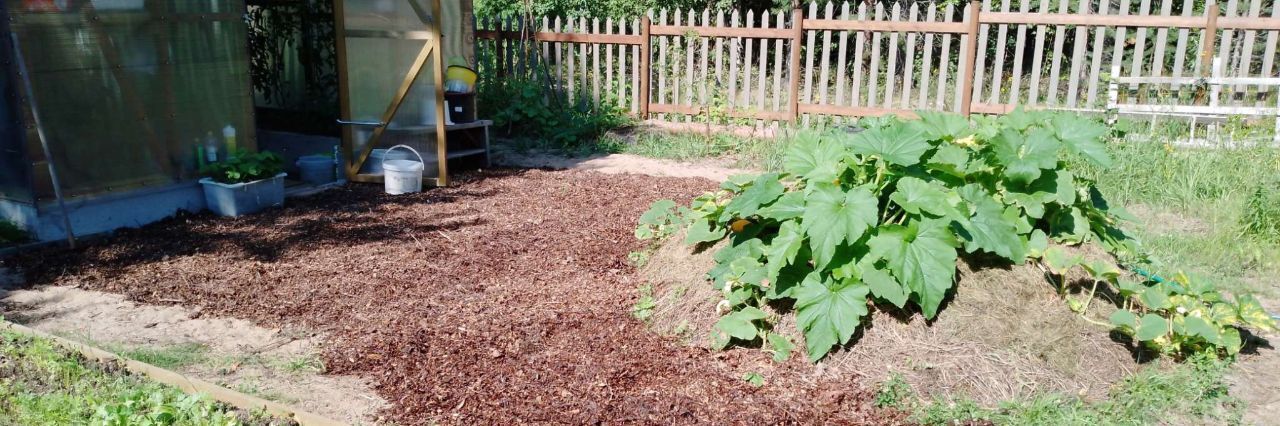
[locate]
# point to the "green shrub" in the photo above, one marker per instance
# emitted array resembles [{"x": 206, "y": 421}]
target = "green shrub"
[
  {"x": 244, "y": 166},
  {"x": 524, "y": 107},
  {"x": 1261, "y": 216}
]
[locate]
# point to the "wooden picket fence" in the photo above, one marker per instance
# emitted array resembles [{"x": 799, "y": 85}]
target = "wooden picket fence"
[{"x": 873, "y": 58}]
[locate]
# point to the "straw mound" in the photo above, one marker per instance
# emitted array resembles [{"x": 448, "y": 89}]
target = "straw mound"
[{"x": 1005, "y": 333}]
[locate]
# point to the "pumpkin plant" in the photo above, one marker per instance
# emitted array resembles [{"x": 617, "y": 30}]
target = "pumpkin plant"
[{"x": 881, "y": 216}]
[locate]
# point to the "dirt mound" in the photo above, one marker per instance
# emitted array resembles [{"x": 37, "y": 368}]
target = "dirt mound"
[{"x": 1004, "y": 334}]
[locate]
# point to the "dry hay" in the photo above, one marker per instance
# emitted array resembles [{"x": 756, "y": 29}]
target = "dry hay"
[{"x": 1005, "y": 333}]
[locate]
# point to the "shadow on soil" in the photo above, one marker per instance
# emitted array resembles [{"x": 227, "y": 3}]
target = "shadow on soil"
[{"x": 335, "y": 217}]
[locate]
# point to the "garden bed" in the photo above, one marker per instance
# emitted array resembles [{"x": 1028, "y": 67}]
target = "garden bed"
[{"x": 503, "y": 298}]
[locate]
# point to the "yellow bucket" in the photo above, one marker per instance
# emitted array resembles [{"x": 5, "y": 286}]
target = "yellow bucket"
[{"x": 461, "y": 73}]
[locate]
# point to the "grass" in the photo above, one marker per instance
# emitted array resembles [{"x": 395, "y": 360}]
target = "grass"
[
  {"x": 43, "y": 384},
  {"x": 168, "y": 357},
  {"x": 746, "y": 153},
  {"x": 1211, "y": 211},
  {"x": 1191, "y": 393}
]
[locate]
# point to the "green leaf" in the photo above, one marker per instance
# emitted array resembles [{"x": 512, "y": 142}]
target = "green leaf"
[
  {"x": 923, "y": 256},
  {"x": 940, "y": 125},
  {"x": 1024, "y": 157},
  {"x": 1069, "y": 226},
  {"x": 885, "y": 287},
  {"x": 1199, "y": 327},
  {"x": 828, "y": 315},
  {"x": 658, "y": 212},
  {"x": 782, "y": 347},
  {"x": 739, "y": 325},
  {"x": 783, "y": 248},
  {"x": 1059, "y": 261},
  {"x": 1231, "y": 341},
  {"x": 832, "y": 217},
  {"x": 704, "y": 231},
  {"x": 754, "y": 378},
  {"x": 915, "y": 195},
  {"x": 763, "y": 191},
  {"x": 950, "y": 159},
  {"x": 1037, "y": 244},
  {"x": 1151, "y": 327},
  {"x": 1102, "y": 270},
  {"x": 789, "y": 206},
  {"x": 897, "y": 143},
  {"x": 1155, "y": 297},
  {"x": 990, "y": 231},
  {"x": 813, "y": 158},
  {"x": 1251, "y": 312},
  {"x": 1124, "y": 318},
  {"x": 1065, "y": 188},
  {"x": 1083, "y": 136}
]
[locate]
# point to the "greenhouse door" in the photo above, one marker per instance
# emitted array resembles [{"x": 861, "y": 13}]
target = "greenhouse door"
[{"x": 389, "y": 69}]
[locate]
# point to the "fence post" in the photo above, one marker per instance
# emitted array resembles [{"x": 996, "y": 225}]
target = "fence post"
[
  {"x": 971, "y": 58},
  {"x": 797, "y": 34},
  {"x": 645, "y": 42},
  {"x": 1113, "y": 95},
  {"x": 1210, "y": 38}
]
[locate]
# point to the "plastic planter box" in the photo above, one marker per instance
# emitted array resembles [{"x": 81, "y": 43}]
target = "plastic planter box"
[{"x": 243, "y": 198}]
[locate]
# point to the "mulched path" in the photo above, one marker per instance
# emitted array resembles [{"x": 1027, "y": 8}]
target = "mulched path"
[{"x": 504, "y": 299}]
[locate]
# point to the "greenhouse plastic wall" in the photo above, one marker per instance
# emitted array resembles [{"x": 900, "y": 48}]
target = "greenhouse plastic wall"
[
  {"x": 128, "y": 88},
  {"x": 14, "y": 181}
]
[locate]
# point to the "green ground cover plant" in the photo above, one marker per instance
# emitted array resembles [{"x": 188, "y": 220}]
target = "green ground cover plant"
[
  {"x": 43, "y": 384},
  {"x": 881, "y": 216},
  {"x": 244, "y": 166}
]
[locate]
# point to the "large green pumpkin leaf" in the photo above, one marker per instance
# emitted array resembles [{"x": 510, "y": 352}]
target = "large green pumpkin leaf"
[
  {"x": 1151, "y": 327},
  {"x": 897, "y": 143},
  {"x": 1199, "y": 327},
  {"x": 1251, "y": 312},
  {"x": 1024, "y": 157},
  {"x": 937, "y": 126},
  {"x": 783, "y": 248},
  {"x": 1124, "y": 318},
  {"x": 988, "y": 230},
  {"x": 789, "y": 206},
  {"x": 1083, "y": 136},
  {"x": 883, "y": 285},
  {"x": 763, "y": 190},
  {"x": 828, "y": 313},
  {"x": 950, "y": 159},
  {"x": 814, "y": 158},
  {"x": 915, "y": 195},
  {"x": 833, "y": 216},
  {"x": 923, "y": 257},
  {"x": 704, "y": 231},
  {"x": 740, "y": 324}
]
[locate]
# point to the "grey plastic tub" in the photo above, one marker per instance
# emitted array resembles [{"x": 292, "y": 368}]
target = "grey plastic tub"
[
  {"x": 316, "y": 169},
  {"x": 243, "y": 198}
]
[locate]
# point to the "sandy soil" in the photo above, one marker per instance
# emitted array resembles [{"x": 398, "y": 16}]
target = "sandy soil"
[
  {"x": 241, "y": 355},
  {"x": 617, "y": 164}
]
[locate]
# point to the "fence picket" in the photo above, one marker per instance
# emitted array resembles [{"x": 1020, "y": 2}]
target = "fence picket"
[
  {"x": 1117, "y": 54},
  {"x": 704, "y": 60},
  {"x": 891, "y": 78},
  {"x": 638, "y": 93},
  {"x": 731, "y": 98},
  {"x": 908, "y": 74},
  {"x": 860, "y": 39},
  {"x": 1226, "y": 42},
  {"x": 841, "y": 56},
  {"x": 1139, "y": 48},
  {"x": 1037, "y": 58},
  {"x": 662, "y": 61},
  {"x": 944, "y": 63},
  {"x": 997, "y": 71},
  {"x": 1055, "y": 76},
  {"x": 720, "y": 83},
  {"x": 595, "y": 65},
  {"x": 761, "y": 73},
  {"x": 1018, "y": 52},
  {"x": 1180, "y": 55},
  {"x": 582, "y": 57},
  {"x": 1246, "y": 48},
  {"x": 809, "y": 54},
  {"x": 981, "y": 66},
  {"x": 608, "y": 61},
  {"x": 926, "y": 70},
  {"x": 873, "y": 80},
  {"x": 1162, "y": 41},
  {"x": 961, "y": 71},
  {"x": 689, "y": 49},
  {"x": 1269, "y": 56},
  {"x": 777, "y": 64},
  {"x": 746, "y": 62},
  {"x": 1077, "y": 63},
  {"x": 824, "y": 72},
  {"x": 1099, "y": 49},
  {"x": 677, "y": 50}
]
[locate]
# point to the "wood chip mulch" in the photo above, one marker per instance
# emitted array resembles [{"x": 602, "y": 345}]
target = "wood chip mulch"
[{"x": 503, "y": 299}]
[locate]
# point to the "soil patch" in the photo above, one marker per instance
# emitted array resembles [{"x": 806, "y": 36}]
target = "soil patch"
[
  {"x": 503, "y": 299},
  {"x": 1004, "y": 334},
  {"x": 617, "y": 164}
]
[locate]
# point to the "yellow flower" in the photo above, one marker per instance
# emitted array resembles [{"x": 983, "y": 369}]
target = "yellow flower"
[{"x": 967, "y": 142}]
